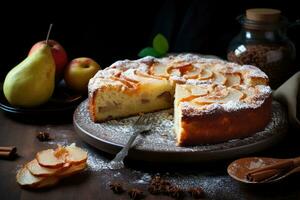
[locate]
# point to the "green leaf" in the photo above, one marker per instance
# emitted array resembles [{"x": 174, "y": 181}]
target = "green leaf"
[
  {"x": 160, "y": 44},
  {"x": 149, "y": 51}
]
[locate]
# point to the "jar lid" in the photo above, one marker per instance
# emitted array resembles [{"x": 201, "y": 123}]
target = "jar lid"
[{"x": 263, "y": 14}]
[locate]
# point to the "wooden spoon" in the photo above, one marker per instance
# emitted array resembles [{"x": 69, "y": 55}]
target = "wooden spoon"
[{"x": 267, "y": 170}]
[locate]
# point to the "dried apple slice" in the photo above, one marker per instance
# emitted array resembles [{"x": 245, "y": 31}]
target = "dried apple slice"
[
  {"x": 75, "y": 154},
  {"x": 48, "y": 159},
  {"x": 26, "y": 179},
  {"x": 73, "y": 170},
  {"x": 37, "y": 170}
]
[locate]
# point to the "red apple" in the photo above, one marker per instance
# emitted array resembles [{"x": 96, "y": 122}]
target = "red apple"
[
  {"x": 78, "y": 73},
  {"x": 59, "y": 55}
]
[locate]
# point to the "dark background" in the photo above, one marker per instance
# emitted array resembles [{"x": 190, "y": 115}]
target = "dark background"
[{"x": 111, "y": 30}]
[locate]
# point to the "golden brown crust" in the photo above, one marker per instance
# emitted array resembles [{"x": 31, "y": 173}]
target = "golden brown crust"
[{"x": 222, "y": 126}]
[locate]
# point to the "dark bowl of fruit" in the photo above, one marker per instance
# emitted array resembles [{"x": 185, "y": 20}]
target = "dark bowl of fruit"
[{"x": 58, "y": 109}]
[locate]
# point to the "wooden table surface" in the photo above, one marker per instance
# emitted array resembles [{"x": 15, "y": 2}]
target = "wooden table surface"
[{"x": 93, "y": 182}]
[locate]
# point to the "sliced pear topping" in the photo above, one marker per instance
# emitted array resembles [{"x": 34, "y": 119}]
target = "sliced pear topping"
[
  {"x": 233, "y": 79},
  {"x": 192, "y": 74},
  {"x": 129, "y": 76},
  {"x": 128, "y": 83},
  {"x": 250, "y": 92},
  {"x": 220, "y": 96},
  {"x": 143, "y": 74},
  {"x": 219, "y": 78},
  {"x": 179, "y": 68},
  {"x": 189, "y": 98},
  {"x": 175, "y": 72},
  {"x": 205, "y": 74},
  {"x": 233, "y": 95},
  {"x": 199, "y": 91},
  {"x": 246, "y": 91},
  {"x": 219, "y": 92},
  {"x": 159, "y": 69}
]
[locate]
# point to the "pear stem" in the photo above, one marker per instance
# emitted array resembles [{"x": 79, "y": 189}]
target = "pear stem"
[{"x": 48, "y": 34}]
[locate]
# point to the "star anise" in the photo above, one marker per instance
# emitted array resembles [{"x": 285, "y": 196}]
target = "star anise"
[
  {"x": 116, "y": 188},
  {"x": 135, "y": 194},
  {"x": 176, "y": 192},
  {"x": 43, "y": 136},
  {"x": 158, "y": 185},
  {"x": 196, "y": 193}
]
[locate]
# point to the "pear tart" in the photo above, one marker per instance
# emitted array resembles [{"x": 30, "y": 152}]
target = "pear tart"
[{"x": 214, "y": 100}]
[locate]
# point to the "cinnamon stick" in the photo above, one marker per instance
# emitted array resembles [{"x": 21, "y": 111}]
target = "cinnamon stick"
[
  {"x": 262, "y": 175},
  {"x": 269, "y": 171},
  {"x": 7, "y": 152}
]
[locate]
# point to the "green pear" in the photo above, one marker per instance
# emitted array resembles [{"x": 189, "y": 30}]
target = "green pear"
[{"x": 31, "y": 83}]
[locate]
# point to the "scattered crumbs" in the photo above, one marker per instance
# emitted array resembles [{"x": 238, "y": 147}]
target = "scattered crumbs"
[
  {"x": 64, "y": 142},
  {"x": 61, "y": 138},
  {"x": 43, "y": 136}
]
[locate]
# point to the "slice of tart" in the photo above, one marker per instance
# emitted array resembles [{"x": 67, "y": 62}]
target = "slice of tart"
[{"x": 218, "y": 114}]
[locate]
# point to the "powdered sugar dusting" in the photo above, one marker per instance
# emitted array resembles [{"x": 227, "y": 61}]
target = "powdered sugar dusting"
[
  {"x": 199, "y": 61},
  {"x": 161, "y": 138},
  {"x": 253, "y": 71},
  {"x": 256, "y": 164},
  {"x": 96, "y": 163}
]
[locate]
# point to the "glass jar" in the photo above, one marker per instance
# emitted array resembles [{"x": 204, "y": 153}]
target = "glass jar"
[{"x": 263, "y": 43}]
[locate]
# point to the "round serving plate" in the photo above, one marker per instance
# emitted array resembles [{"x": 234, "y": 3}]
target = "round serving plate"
[{"x": 159, "y": 144}]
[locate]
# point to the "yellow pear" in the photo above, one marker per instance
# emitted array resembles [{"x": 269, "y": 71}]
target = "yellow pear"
[{"x": 31, "y": 83}]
